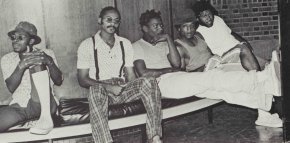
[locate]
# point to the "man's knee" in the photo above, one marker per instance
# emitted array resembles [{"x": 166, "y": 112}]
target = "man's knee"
[
  {"x": 96, "y": 91},
  {"x": 96, "y": 88},
  {"x": 150, "y": 85},
  {"x": 148, "y": 81},
  {"x": 9, "y": 117},
  {"x": 246, "y": 51}
]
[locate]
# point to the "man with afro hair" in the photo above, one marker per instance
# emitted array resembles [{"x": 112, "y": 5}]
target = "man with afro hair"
[
  {"x": 153, "y": 44},
  {"x": 221, "y": 39}
]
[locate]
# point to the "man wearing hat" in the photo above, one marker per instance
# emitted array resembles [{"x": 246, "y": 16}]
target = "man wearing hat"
[
  {"x": 193, "y": 50},
  {"x": 29, "y": 74}
]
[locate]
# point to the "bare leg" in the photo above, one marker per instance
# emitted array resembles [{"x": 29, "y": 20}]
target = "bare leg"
[
  {"x": 45, "y": 123},
  {"x": 248, "y": 59}
]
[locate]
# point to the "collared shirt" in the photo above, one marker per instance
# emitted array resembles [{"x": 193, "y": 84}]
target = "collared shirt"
[
  {"x": 109, "y": 59},
  {"x": 9, "y": 62},
  {"x": 218, "y": 37},
  {"x": 154, "y": 56}
]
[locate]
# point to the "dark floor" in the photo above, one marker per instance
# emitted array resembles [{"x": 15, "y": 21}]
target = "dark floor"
[{"x": 232, "y": 124}]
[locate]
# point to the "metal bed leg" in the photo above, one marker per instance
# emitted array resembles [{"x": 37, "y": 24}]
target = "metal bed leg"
[
  {"x": 210, "y": 115},
  {"x": 143, "y": 134}
]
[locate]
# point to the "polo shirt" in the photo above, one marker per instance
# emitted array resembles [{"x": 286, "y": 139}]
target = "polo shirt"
[
  {"x": 218, "y": 37},
  {"x": 154, "y": 56},
  {"x": 109, "y": 59},
  {"x": 21, "y": 95}
]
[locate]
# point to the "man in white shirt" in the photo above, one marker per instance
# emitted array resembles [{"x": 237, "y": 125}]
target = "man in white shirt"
[
  {"x": 29, "y": 74},
  {"x": 251, "y": 89},
  {"x": 105, "y": 65},
  {"x": 221, "y": 39}
]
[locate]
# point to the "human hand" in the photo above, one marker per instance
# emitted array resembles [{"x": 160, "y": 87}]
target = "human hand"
[
  {"x": 28, "y": 60},
  {"x": 37, "y": 57},
  {"x": 160, "y": 38},
  {"x": 44, "y": 58},
  {"x": 115, "y": 89}
]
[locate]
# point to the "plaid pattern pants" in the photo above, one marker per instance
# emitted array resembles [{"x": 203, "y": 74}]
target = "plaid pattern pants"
[{"x": 145, "y": 89}]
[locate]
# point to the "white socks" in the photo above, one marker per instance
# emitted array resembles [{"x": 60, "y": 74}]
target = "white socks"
[{"x": 45, "y": 124}]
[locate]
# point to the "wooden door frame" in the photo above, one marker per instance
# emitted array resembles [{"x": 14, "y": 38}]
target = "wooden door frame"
[{"x": 284, "y": 13}]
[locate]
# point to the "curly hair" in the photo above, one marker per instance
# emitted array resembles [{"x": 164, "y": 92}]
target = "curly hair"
[
  {"x": 201, "y": 6},
  {"x": 148, "y": 15},
  {"x": 108, "y": 8}
]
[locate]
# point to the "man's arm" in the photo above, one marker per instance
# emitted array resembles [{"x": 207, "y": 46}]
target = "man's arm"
[
  {"x": 173, "y": 55},
  {"x": 241, "y": 39},
  {"x": 129, "y": 74},
  {"x": 54, "y": 72},
  {"x": 14, "y": 80},
  {"x": 238, "y": 37},
  {"x": 41, "y": 58},
  {"x": 199, "y": 35},
  {"x": 182, "y": 54},
  {"x": 86, "y": 81},
  {"x": 142, "y": 70},
  {"x": 34, "y": 59}
]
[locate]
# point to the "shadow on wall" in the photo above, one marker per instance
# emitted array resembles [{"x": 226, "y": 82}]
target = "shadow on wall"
[
  {"x": 264, "y": 48},
  {"x": 62, "y": 25},
  {"x": 70, "y": 88}
]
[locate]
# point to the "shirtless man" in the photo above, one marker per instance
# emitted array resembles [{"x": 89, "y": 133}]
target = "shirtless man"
[
  {"x": 196, "y": 56},
  {"x": 193, "y": 50}
]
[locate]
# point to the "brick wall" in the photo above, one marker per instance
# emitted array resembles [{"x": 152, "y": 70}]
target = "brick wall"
[{"x": 252, "y": 19}]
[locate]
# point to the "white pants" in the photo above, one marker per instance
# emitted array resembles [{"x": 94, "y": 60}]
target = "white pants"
[{"x": 235, "y": 87}]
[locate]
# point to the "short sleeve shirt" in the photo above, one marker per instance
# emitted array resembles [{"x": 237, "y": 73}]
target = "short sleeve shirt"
[
  {"x": 9, "y": 62},
  {"x": 218, "y": 37},
  {"x": 154, "y": 56},
  {"x": 109, "y": 59}
]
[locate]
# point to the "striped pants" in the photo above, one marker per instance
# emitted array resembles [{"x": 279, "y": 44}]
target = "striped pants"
[{"x": 145, "y": 89}]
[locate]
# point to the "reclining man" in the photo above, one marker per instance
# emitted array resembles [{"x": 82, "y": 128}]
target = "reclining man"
[
  {"x": 222, "y": 41},
  {"x": 195, "y": 54},
  {"x": 105, "y": 65},
  {"x": 27, "y": 72},
  {"x": 251, "y": 89}
]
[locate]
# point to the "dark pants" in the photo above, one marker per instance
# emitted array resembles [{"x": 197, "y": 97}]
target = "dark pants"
[{"x": 14, "y": 114}]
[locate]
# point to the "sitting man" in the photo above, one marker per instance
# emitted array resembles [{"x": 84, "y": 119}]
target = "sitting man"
[
  {"x": 27, "y": 72},
  {"x": 193, "y": 50},
  {"x": 105, "y": 65},
  {"x": 195, "y": 53},
  {"x": 251, "y": 89},
  {"x": 222, "y": 40}
]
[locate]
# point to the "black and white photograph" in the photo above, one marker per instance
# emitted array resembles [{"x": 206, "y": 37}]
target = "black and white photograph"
[{"x": 144, "y": 71}]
